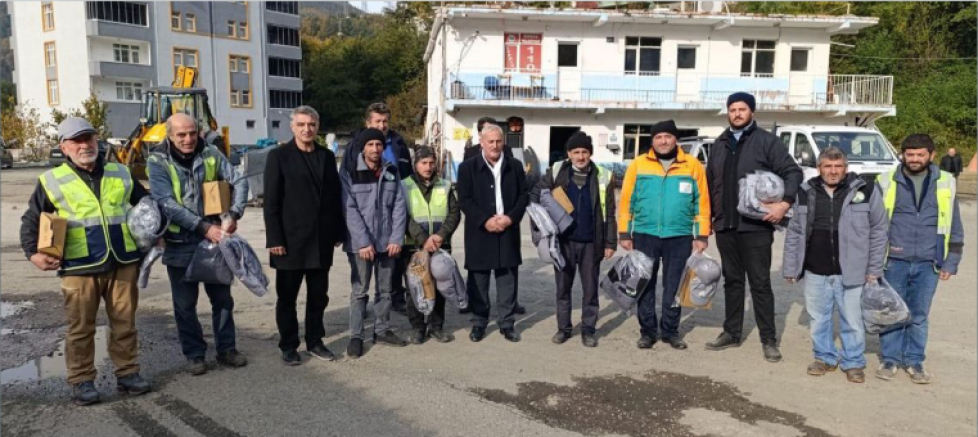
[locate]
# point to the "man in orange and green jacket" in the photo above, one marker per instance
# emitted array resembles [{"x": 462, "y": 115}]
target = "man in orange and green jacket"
[{"x": 665, "y": 214}]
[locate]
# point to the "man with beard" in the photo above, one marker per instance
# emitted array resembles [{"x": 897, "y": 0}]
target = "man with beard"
[{"x": 745, "y": 243}]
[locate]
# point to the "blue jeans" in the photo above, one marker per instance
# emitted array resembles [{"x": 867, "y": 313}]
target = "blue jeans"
[
  {"x": 185, "y": 296},
  {"x": 822, "y": 295},
  {"x": 673, "y": 254},
  {"x": 916, "y": 283}
]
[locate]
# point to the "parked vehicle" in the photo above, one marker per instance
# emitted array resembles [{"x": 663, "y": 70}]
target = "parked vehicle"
[
  {"x": 698, "y": 147},
  {"x": 56, "y": 157},
  {"x": 868, "y": 151}
]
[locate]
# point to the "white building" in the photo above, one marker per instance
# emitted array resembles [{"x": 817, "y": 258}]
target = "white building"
[
  {"x": 247, "y": 54},
  {"x": 614, "y": 74}
]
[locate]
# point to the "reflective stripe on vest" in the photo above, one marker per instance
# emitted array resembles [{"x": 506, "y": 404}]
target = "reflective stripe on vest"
[
  {"x": 604, "y": 179},
  {"x": 96, "y": 225},
  {"x": 428, "y": 214},
  {"x": 210, "y": 174},
  {"x": 945, "y": 191}
]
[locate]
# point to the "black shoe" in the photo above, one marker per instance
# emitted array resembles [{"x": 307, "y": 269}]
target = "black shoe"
[
  {"x": 722, "y": 342},
  {"x": 675, "y": 342},
  {"x": 477, "y": 334},
  {"x": 560, "y": 337},
  {"x": 520, "y": 309},
  {"x": 291, "y": 357},
  {"x": 197, "y": 366},
  {"x": 132, "y": 384},
  {"x": 84, "y": 393},
  {"x": 321, "y": 351},
  {"x": 589, "y": 340},
  {"x": 417, "y": 336},
  {"x": 510, "y": 334},
  {"x": 771, "y": 352},
  {"x": 232, "y": 358},
  {"x": 355, "y": 348},
  {"x": 645, "y": 342},
  {"x": 440, "y": 336},
  {"x": 389, "y": 338}
]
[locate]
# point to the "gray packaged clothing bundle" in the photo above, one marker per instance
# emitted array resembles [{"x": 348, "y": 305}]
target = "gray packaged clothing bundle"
[
  {"x": 147, "y": 265},
  {"x": 557, "y": 213},
  {"x": 756, "y": 189},
  {"x": 146, "y": 223},
  {"x": 208, "y": 265},
  {"x": 448, "y": 279},
  {"x": 705, "y": 282},
  {"x": 882, "y": 308},
  {"x": 243, "y": 262},
  {"x": 419, "y": 266},
  {"x": 545, "y": 237},
  {"x": 626, "y": 280}
]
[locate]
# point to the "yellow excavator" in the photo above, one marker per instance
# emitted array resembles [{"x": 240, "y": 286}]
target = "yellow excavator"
[{"x": 158, "y": 104}]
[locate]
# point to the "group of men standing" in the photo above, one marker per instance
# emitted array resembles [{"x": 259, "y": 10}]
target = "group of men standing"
[{"x": 382, "y": 205}]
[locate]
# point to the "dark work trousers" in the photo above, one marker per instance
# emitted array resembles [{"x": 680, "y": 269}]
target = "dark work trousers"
[
  {"x": 586, "y": 258},
  {"x": 436, "y": 320},
  {"x": 399, "y": 285},
  {"x": 191, "y": 334},
  {"x": 672, "y": 254},
  {"x": 506, "y": 290},
  {"x": 747, "y": 253},
  {"x": 287, "y": 285}
]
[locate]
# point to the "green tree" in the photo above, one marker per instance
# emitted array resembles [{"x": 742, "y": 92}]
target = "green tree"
[
  {"x": 93, "y": 110},
  {"x": 23, "y": 129}
]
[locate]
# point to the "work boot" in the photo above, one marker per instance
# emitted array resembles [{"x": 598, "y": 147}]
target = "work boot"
[
  {"x": 722, "y": 342},
  {"x": 917, "y": 374},
  {"x": 771, "y": 352},
  {"x": 418, "y": 336},
  {"x": 389, "y": 338},
  {"x": 819, "y": 368},
  {"x": 886, "y": 371},
  {"x": 232, "y": 358},
  {"x": 440, "y": 336},
  {"x": 645, "y": 342},
  {"x": 197, "y": 366},
  {"x": 855, "y": 375},
  {"x": 84, "y": 393},
  {"x": 322, "y": 352},
  {"x": 355, "y": 348},
  {"x": 560, "y": 337},
  {"x": 520, "y": 309},
  {"x": 510, "y": 334},
  {"x": 132, "y": 384},
  {"x": 477, "y": 334},
  {"x": 589, "y": 340},
  {"x": 675, "y": 342},
  {"x": 291, "y": 357}
]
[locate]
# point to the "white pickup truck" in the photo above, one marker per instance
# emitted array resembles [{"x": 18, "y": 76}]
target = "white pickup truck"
[{"x": 868, "y": 151}]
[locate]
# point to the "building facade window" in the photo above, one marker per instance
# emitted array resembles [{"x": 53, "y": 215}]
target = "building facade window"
[
  {"x": 283, "y": 7},
  {"x": 757, "y": 58},
  {"x": 53, "y": 97},
  {"x": 281, "y": 67},
  {"x": 686, "y": 58},
  {"x": 190, "y": 21},
  {"x": 129, "y": 91},
  {"x": 184, "y": 57},
  {"x": 643, "y": 55},
  {"x": 125, "y": 53},
  {"x": 47, "y": 16},
  {"x": 176, "y": 20},
  {"x": 243, "y": 30},
  {"x": 118, "y": 12},
  {"x": 638, "y": 140},
  {"x": 799, "y": 59},
  {"x": 240, "y": 93},
  {"x": 50, "y": 54},
  {"x": 281, "y": 99},
  {"x": 284, "y": 36}
]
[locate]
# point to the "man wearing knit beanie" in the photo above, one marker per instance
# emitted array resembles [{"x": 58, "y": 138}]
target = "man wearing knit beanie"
[
  {"x": 592, "y": 238},
  {"x": 745, "y": 243}
]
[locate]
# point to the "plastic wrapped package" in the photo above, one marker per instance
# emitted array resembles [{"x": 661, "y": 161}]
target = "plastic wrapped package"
[
  {"x": 627, "y": 279},
  {"x": 548, "y": 248},
  {"x": 147, "y": 265},
  {"x": 244, "y": 264},
  {"x": 757, "y": 188},
  {"x": 560, "y": 217},
  {"x": 421, "y": 286},
  {"x": 146, "y": 223},
  {"x": 208, "y": 265},
  {"x": 882, "y": 308},
  {"x": 448, "y": 279},
  {"x": 699, "y": 283}
]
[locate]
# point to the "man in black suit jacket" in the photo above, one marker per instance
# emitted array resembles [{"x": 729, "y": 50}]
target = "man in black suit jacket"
[
  {"x": 493, "y": 194},
  {"x": 303, "y": 223}
]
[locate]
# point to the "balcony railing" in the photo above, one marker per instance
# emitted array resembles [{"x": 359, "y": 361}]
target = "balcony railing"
[{"x": 683, "y": 90}]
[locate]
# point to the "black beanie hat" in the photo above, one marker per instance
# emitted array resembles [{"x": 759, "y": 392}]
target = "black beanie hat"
[
  {"x": 742, "y": 97},
  {"x": 580, "y": 140},
  {"x": 665, "y": 127},
  {"x": 371, "y": 134}
]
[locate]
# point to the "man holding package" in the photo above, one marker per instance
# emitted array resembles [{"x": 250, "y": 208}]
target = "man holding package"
[
  {"x": 836, "y": 241},
  {"x": 179, "y": 171},
  {"x": 592, "y": 237},
  {"x": 84, "y": 202},
  {"x": 665, "y": 214},
  {"x": 433, "y": 217}
]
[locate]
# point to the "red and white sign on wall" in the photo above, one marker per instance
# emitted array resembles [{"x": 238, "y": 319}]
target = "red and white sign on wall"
[{"x": 523, "y": 52}]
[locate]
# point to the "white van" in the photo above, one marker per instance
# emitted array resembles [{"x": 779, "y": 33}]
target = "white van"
[{"x": 868, "y": 150}]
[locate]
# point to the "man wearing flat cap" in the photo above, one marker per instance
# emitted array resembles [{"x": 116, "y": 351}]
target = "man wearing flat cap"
[
  {"x": 100, "y": 257},
  {"x": 745, "y": 243},
  {"x": 665, "y": 214}
]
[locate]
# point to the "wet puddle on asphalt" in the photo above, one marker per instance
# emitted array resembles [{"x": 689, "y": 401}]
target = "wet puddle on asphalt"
[
  {"x": 52, "y": 366},
  {"x": 660, "y": 404}
]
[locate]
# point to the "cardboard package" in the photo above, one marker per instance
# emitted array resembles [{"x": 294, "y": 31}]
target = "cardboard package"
[
  {"x": 51, "y": 235},
  {"x": 561, "y": 197},
  {"x": 419, "y": 266},
  {"x": 217, "y": 197},
  {"x": 685, "y": 288}
]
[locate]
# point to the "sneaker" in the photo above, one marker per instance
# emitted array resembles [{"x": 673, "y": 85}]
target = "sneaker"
[
  {"x": 855, "y": 375},
  {"x": 589, "y": 340},
  {"x": 197, "y": 366},
  {"x": 355, "y": 348},
  {"x": 84, "y": 393},
  {"x": 886, "y": 371},
  {"x": 417, "y": 336},
  {"x": 771, "y": 352},
  {"x": 132, "y": 384},
  {"x": 722, "y": 342},
  {"x": 389, "y": 338},
  {"x": 645, "y": 342},
  {"x": 291, "y": 357},
  {"x": 917, "y": 374},
  {"x": 321, "y": 351},
  {"x": 440, "y": 336},
  {"x": 560, "y": 337},
  {"x": 819, "y": 368},
  {"x": 232, "y": 358}
]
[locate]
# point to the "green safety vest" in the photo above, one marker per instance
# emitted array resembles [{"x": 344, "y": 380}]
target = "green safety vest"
[
  {"x": 210, "y": 174},
  {"x": 96, "y": 225},
  {"x": 946, "y": 190},
  {"x": 431, "y": 214},
  {"x": 604, "y": 179}
]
